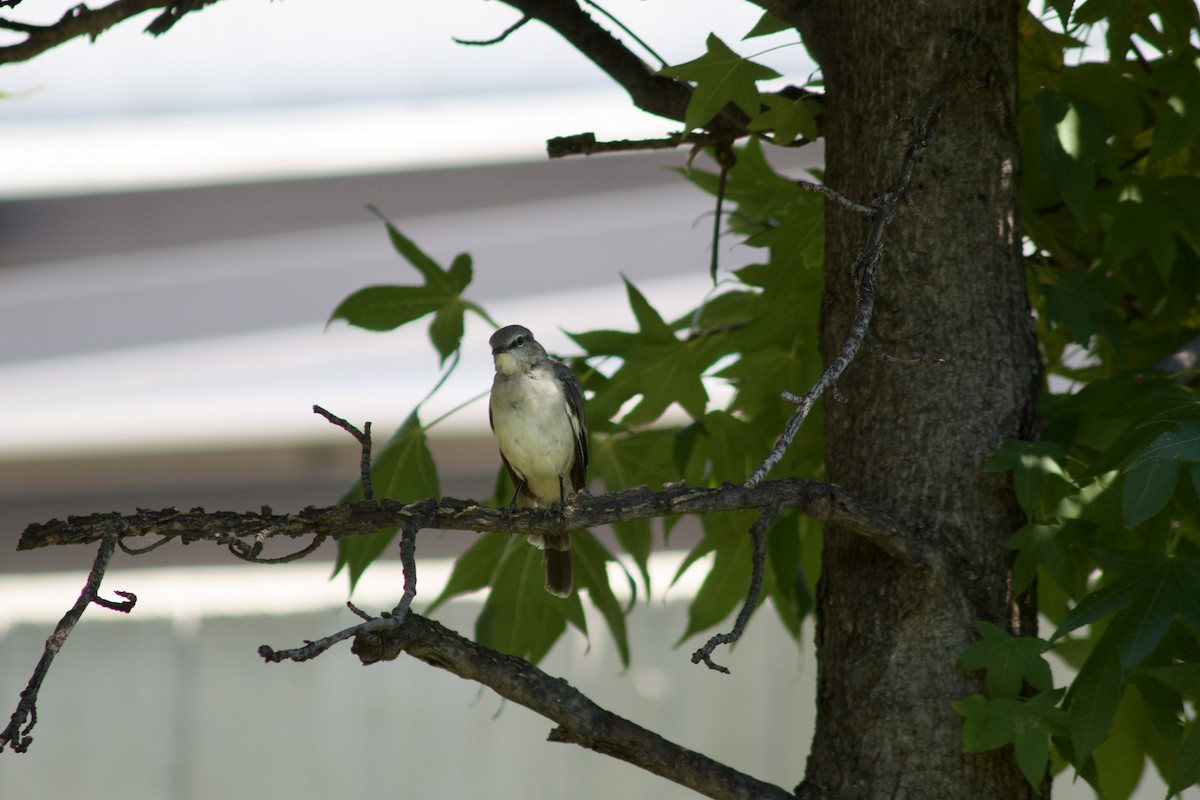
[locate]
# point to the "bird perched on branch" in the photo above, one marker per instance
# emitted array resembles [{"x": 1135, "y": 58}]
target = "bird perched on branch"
[{"x": 536, "y": 412}]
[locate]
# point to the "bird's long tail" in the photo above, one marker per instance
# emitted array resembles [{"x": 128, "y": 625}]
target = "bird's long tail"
[{"x": 556, "y": 555}]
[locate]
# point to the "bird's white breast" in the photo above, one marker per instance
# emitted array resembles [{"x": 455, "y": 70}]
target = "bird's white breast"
[{"x": 535, "y": 432}]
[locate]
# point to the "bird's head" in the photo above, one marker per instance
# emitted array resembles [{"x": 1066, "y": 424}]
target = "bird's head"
[{"x": 514, "y": 349}]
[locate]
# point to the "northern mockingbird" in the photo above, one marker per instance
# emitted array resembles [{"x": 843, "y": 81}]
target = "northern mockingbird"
[{"x": 536, "y": 412}]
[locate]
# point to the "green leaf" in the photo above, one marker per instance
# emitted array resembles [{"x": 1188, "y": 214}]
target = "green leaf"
[
  {"x": 446, "y": 330},
  {"x": 1186, "y": 771},
  {"x": 1063, "y": 9},
  {"x": 1151, "y": 590},
  {"x": 461, "y": 272},
  {"x": 760, "y": 193},
  {"x": 1009, "y": 661},
  {"x": 1073, "y": 144},
  {"x": 788, "y": 119},
  {"x": 1030, "y": 463},
  {"x": 1026, "y": 725},
  {"x": 1181, "y": 443},
  {"x": 519, "y": 616},
  {"x": 1055, "y": 546},
  {"x": 1148, "y": 488},
  {"x": 434, "y": 275},
  {"x": 650, "y": 322},
  {"x": 767, "y": 24},
  {"x": 725, "y": 586},
  {"x": 591, "y": 574},
  {"x": 657, "y": 366},
  {"x": 1078, "y": 302},
  {"x": 1093, "y": 700},
  {"x": 385, "y": 308},
  {"x": 1183, "y": 678},
  {"x": 643, "y": 457},
  {"x": 403, "y": 470},
  {"x": 789, "y": 590},
  {"x": 797, "y": 241},
  {"x": 473, "y": 570},
  {"x": 721, "y": 77},
  {"x": 1145, "y": 220},
  {"x": 1118, "y": 762},
  {"x": 1178, "y": 121},
  {"x": 1160, "y": 706}
]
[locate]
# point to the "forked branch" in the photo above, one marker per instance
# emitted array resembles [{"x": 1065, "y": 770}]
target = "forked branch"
[{"x": 16, "y": 733}]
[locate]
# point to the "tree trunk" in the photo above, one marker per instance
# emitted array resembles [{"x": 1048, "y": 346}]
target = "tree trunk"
[{"x": 913, "y": 438}]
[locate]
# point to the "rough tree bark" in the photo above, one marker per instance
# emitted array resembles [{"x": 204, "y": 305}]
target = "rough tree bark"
[{"x": 913, "y": 438}]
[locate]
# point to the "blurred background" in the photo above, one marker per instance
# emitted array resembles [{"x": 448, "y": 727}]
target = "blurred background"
[{"x": 178, "y": 218}]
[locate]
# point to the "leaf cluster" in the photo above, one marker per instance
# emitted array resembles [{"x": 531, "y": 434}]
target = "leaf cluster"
[{"x": 1111, "y": 488}]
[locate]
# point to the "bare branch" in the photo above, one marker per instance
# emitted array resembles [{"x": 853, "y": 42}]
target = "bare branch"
[
  {"x": 580, "y": 721},
  {"x": 16, "y": 733},
  {"x": 837, "y": 197},
  {"x": 82, "y": 21},
  {"x": 725, "y": 157},
  {"x": 363, "y": 438},
  {"x": 495, "y": 39},
  {"x": 585, "y": 144},
  {"x": 759, "y": 559},
  {"x": 408, "y": 560},
  {"x": 824, "y": 502}
]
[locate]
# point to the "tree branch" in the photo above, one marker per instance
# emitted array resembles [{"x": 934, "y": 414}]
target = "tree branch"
[
  {"x": 758, "y": 541},
  {"x": 585, "y": 144},
  {"x": 824, "y": 502},
  {"x": 580, "y": 721},
  {"x": 657, "y": 94},
  {"x": 82, "y": 21},
  {"x": 16, "y": 733}
]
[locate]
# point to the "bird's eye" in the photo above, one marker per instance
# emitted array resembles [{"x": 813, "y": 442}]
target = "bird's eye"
[{"x": 520, "y": 340}]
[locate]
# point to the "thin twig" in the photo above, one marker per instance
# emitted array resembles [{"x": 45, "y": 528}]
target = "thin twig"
[
  {"x": 408, "y": 560},
  {"x": 864, "y": 270},
  {"x": 496, "y": 39},
  {"x": 837, "y": 197},
  {"x": 363, "y": 437},
  {"x": 16, "y": 734},
  {"x": 141, "y": 551},
  {"x": 250, "y": 553},
  {"x": 312, "y": 649},
  {"x": 723, "y": 153},
  {"x": 759, "y": 558}
]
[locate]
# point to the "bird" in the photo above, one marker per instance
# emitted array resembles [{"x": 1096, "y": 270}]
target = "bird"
[{"x": 536, "y": 412}]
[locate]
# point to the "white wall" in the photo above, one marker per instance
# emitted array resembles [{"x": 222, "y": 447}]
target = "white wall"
[{"x": 174, "y": 703}]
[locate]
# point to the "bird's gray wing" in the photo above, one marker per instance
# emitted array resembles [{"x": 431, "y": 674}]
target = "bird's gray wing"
[{"x": 573, "y": 393}]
